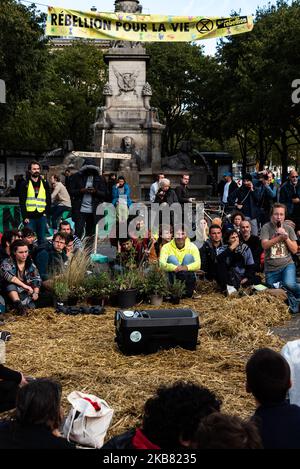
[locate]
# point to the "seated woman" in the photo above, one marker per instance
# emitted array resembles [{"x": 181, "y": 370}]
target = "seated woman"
[
  {"x": 235, "y": 223},
  {"x": 165, "y": 235},
  {"x": 235, "y": 264},
  {"x": 38, "y": 418},
  {"x": 20, "y": 278}
]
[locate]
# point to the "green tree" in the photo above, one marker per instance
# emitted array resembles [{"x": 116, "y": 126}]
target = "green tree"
[
  {"x": 171, "y": 73},
  {"x": 23, "y": 55},
  {"x": 76, "y": 77},
  {"x": 259, "y": 69}
]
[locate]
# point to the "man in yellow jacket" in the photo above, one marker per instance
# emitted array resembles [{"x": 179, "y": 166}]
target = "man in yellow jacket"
[
  {"x": 35, "y": 201},
  {"x": 181, "y": 258}
]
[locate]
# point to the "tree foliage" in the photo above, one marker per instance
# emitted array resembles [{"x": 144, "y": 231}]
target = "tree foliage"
[
  {"x": 52, "y": 94},
  {"x": 240, "y": 97}
]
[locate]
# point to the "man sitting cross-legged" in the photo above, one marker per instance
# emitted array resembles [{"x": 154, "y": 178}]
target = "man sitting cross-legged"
[
  {"x": 209, "y": 252},
  {"x": 279, "y": 241},
  {"x": 181, "y": 258},
  {"x": 21, "y": 279}
]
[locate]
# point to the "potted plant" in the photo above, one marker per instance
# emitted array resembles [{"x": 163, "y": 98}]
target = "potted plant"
[
  {"x": 176, "y": 291},
  {"x": 156, "y": 284},
  {"x": 126, "y": 285},
  {"x": 97, "y": 288},
  {"x": 61, "y": 291}
]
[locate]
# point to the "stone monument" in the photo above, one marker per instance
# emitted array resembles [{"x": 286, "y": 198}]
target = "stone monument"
[{"x": 129, "y": 121}]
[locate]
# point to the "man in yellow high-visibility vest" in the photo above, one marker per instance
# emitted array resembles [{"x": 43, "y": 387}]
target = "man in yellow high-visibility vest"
[{"x": 35, "y": 201}]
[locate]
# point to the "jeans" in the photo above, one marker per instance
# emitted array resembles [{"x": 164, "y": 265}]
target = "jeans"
[
  {"x": 85, "y": 221},
  {"x": 287, "y": 276},
  {"x": 186, "y": 276},
  {"x": 24, "y": 297},
  {"x": 39, "y": 226},
  {"x": 188, "y": 259}
]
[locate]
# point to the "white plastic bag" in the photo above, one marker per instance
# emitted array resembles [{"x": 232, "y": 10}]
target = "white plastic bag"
[
  {"x": 88, "y": 420},
  {"x": 291, "y": 352}
]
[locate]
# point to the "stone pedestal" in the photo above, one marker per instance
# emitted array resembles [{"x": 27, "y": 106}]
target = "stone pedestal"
[{"x": 127, "y": 111}]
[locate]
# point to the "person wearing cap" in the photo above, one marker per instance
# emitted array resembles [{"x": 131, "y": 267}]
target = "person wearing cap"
[
  {"x": 87, "y": 191},
  {"x": 226, "y": 187},
  {"x": 246, "y": 199}
]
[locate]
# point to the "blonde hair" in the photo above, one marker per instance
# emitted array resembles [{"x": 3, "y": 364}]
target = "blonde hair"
[{"x": 164, "y": 182}]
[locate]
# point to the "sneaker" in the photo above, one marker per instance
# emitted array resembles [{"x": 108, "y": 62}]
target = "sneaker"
[{"x": 5, "y": 336}]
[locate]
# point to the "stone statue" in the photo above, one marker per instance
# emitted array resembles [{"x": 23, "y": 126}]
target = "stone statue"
[
  {"x": 127, "y": 6},
  {"x": 128, "y": 146},
  {"x": 126, "y": 81},
  {"x": 182, "y": 160},
  {"x": 147, "y": 93}
]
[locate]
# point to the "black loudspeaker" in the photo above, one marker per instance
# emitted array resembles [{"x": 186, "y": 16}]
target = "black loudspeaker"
[{"x": 147, "y": 331}]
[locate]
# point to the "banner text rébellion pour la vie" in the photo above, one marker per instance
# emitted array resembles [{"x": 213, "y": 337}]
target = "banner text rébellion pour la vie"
[{"x": 142, "y": 28}]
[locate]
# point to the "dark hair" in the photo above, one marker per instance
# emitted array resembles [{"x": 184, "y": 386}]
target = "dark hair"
[
  {"x": 121, "y": 178},
  {"x": 268, "y": 376},
  {"x": 247, "y": 177},
  {"x": 173, "y": 414},
  {"x": 38, "y": 403},
  {"x": 125, "y": 240},
  {"x": 59, "y": 234},
  {"x": 237, "y": 214},
  {"x": 214, "y": 227},
  {"x": 18, "y": 243},
  {"x": 69, "y": 238},
  {"x": 7, "y": 237},
  {"x": 227, "y": 235},
  {"x": 64, "y": 223},
  {"x": 13, "y": 249},
  {"x": 57, "y": 178},
  {"x": 26, "y": 232},
  {"x": 222, "y": 431},
  {"x": 32, "y": 163}
]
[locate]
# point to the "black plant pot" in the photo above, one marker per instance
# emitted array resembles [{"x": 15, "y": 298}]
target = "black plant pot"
[
  {"x": 127, "y": 298},
  {"x": 175, "y": 300},
  {"x": 72, "y": 301},
  {"x": 95, "y": 300}
]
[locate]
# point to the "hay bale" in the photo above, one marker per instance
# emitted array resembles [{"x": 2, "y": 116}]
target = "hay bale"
[{"x": 81, "y": 353}]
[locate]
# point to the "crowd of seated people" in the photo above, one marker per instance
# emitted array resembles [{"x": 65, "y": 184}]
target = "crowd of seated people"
[
  {"x": 232, "y": 253},
  {"x": 179, "y": 416}
]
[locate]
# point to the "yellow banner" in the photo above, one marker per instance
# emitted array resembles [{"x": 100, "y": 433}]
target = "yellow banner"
[{"x": 142, "y": 28}]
